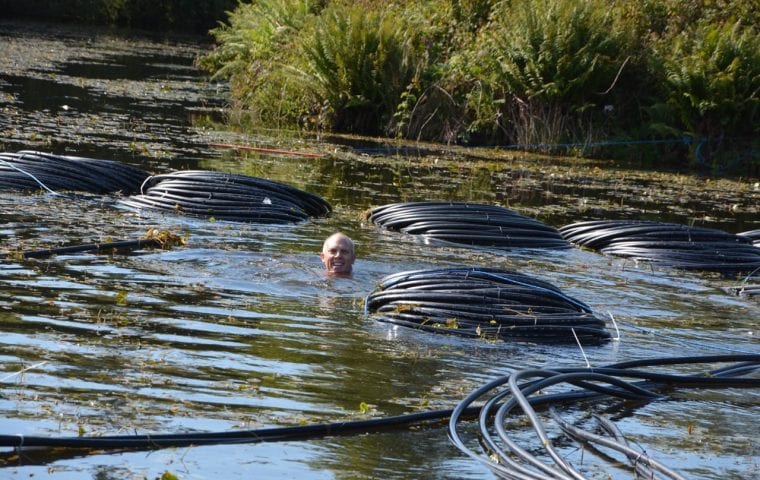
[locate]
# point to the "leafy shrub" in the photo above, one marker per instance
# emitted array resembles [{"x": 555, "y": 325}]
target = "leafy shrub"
[
  {"x": 541, "y": 73},
  {"x": 710, "y": 77},
  {"x": 552, "y": 69},
  {"x": 358, "y": 62},
  {"x": 255, "y": 52}
]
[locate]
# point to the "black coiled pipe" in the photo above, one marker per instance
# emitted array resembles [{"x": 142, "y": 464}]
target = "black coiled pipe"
[
  {"x": 516, "y": 392},
  {"x": 30, "y": 171},
  {"x": 625, "y": 380},
  {"x": 470, "y": 224},
  {"x": 227, "y": 196},
  {"x": 485, "y": 303},
  {"x": 668, "y": 244}
]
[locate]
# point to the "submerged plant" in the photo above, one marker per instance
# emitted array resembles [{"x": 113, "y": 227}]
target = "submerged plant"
[{"x": 165, "y": 238}]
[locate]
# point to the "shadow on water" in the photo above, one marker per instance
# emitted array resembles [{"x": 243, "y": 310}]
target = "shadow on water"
[
  {"x": 133, "y": 99},
  {"x": 131, "y": 67},
  {"x": 240, "y": 329}
]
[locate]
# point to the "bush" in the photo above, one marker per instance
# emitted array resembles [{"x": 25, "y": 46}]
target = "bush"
[
  {"x": 540, "y": 73},
  {"x": 255, "y": 52},
  {"x": 358, "y": 62},
  {"x": 710, "y": 77},
  {"x": 547, "y": 72}
]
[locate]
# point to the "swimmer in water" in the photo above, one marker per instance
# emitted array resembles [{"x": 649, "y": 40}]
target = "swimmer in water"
[{"x": 338, "y": 255}]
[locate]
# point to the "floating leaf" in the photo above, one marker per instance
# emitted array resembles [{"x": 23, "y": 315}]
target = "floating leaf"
[{"x": 121, "y": 298}]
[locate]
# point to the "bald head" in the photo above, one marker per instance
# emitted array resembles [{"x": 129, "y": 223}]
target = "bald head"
[{"x": 338, "y": 254}]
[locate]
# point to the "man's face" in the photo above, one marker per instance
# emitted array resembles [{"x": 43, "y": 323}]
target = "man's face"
[{"x": 338, "y": 256}]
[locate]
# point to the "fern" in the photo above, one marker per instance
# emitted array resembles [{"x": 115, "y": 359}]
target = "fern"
[
  {"x": 252, "y": 51},
  {"x": 359, "y": 63},
  {"x": 711, "y": 79},
  {"x": 550, "y": 64}
]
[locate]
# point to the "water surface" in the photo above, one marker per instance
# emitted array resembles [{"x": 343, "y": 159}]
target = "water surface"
[{"x": 240, "y": 329}]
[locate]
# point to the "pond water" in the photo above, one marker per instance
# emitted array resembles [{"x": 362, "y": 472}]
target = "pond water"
[{"x": 240, "y": 329}]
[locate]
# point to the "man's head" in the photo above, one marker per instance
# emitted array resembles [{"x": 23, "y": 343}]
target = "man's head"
[{"x": 338, "y": 254}]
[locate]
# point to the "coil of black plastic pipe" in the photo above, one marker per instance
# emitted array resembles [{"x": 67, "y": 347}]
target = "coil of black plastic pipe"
[
  {"x": 753, "y": 235},
  {"x": 470, "y": 224},
  {"x": 514, "y": 394},
  {"x": 227, "y": 196},
  {"x": 668, "y": 244},
  {"x": 484, "y": 303},
  {"x": 625, "y": 380},
  {"x": 32, "y": 171}
]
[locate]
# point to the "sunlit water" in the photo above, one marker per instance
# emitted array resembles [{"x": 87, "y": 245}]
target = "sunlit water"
[{"x": 240, "y": 329}]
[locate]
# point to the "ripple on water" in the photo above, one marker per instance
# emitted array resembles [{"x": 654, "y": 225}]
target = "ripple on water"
[{"x": 240, "y": 328}]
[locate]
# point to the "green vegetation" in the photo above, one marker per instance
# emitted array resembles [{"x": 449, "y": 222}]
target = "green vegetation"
[
  {"x": 711, "y": 85},
  {"x": 546, "y": 70},
  {"x": 680, "y": 79},
  {"x": 256, "y": 52},
  {"x": 550, "y": 75},
  {"x": 356, "y": 63}
]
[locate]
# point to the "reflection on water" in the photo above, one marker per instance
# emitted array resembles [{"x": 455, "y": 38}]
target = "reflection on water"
[{"x": 241, "y": 329}]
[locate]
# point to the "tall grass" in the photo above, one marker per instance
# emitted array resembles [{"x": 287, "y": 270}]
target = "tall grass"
[
  {"x": 358, "y": 62},
  {"x": 255, "y": 52}
]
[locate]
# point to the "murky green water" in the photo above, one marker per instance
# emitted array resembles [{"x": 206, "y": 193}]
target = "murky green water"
[{"x": 239, "y": 329}]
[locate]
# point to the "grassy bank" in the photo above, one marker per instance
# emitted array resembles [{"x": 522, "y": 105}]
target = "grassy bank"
[{"x": 681, "y": 83}]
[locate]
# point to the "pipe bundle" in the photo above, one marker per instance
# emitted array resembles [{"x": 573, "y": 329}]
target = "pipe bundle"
[
  {"x": 467, "y": 224},
  {"x": 31, "y": 171},
  {"x": 754, "y": 235},
  {"x": 667, "y": 244},
  {"x": 511, "y": 399},
  {"x": 486, "y": 303},
  {"x": 227, "y": 196}
]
